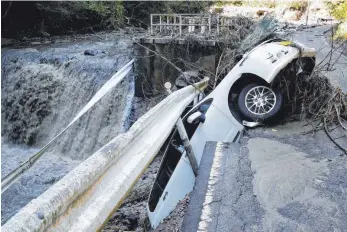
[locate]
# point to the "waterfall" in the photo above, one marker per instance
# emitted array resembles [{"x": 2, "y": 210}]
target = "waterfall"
[{"x": 42, "y": 90}]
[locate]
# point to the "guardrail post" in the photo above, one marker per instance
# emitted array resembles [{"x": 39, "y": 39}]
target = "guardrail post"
[
  {"x": 193, "y": 23},
  {"x": 180, "y": 25},
  {"x": 190, "y": 22},
  {"x": 185, "y": 139},
  {"x": 160, "y": 23},
  {"x": 205, "y": 22},
  {"x": 151, "y": 24},
  {"x": 174, "y": 22}
]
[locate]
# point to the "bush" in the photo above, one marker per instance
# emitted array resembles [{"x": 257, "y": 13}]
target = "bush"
[
  {"x": 338, "y": 9},
  {"x": 57, "y": 17},
  {"x": 139, "y": 12}
]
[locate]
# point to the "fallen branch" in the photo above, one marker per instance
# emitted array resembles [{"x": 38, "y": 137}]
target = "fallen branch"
[{"x": 333, "y": 140}]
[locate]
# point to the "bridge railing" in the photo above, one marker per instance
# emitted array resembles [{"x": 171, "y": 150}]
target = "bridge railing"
[
  {"x": 179, "y": 24},
  {"x": 176, "y": 23},
  {"x": 86, "y": 197}
]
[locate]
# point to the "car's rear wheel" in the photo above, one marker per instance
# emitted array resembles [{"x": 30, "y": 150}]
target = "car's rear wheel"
[{"x": 259, "y": 102}]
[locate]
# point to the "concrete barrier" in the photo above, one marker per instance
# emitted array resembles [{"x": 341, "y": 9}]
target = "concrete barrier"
[{"x": 85, "y": 198}]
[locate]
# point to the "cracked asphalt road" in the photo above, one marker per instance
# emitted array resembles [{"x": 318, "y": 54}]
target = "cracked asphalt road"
[
  {"x": 229, "y": 201},
  {"x": 276, "y": 179}
]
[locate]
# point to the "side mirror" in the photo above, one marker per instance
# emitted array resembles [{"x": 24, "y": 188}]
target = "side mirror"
[{"x": 196, "y": 118}]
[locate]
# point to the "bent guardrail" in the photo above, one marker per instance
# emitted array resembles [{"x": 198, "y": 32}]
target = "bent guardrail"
[
  {"x": 14, "y": 175},
  {"x": 86, "y": 197}
]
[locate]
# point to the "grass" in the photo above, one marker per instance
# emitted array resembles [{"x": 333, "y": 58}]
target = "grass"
[{"x": 338, "y": 9}]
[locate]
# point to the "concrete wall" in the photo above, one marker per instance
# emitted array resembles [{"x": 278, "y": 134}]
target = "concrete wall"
[{"x": 152, "y": 71}]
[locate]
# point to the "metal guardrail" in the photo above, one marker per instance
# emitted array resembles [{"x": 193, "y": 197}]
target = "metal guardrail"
[
  {"x": 86, "y": 197},
  {"x": 14, "y": 175},
  {"x": 176, "y": 24}
]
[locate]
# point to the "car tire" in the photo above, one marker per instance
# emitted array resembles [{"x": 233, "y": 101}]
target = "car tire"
[{"x": 258, "y": 102}]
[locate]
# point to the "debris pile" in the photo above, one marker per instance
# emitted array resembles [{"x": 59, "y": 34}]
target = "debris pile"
[{"x": 313, "y": 98}]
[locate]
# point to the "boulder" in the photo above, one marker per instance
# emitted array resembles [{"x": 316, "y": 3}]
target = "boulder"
[{"x": 90, "y": 52}]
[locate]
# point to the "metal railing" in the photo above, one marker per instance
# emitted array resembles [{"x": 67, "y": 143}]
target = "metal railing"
[
  {"x": 176, "y": 23},
  {"x": 86, "y": 197},
  {"x": 179, "y": 24}
]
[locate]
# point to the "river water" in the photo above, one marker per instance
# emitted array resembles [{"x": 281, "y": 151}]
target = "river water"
[
  {"x": 42, "y": 90},
  {"x": 44, "y": 87}
]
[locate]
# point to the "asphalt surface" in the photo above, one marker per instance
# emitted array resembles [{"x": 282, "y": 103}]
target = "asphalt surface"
[
  {"x": 276, "y": 179},
  {"x": 318, "y": 38},
  {"x": 229, "y": 203}
]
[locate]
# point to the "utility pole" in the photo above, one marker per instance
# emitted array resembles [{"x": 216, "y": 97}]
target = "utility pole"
[{"x": 308, "y": 11}]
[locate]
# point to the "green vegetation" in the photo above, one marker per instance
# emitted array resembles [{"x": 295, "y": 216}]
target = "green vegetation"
[
  {"x": 225, "y": 3},
  {"x": 108, "y": 14},
  {"x": 139, "y": 12},
  {"x": 297, "y": 5},
  {"x": 338, "y": 9},
  {"x": 260, "y": 3},
  {"x": 294, "y": 4},
  {"x": 21, "y": 19},
  {"x": 109, "y": 10}
]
